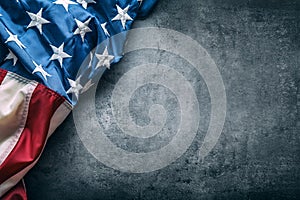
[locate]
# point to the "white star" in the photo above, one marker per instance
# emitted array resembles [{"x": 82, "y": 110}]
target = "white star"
[
  {"x": 39, "y": 68},
  {"x": 75, "y": 87},
  {"x": 104, "y": 59},
  {"x": 83, "y": 28},
  {"x": 87, "y": 86},
  {"x": 85, "y": 3},
  {"x": 140, "y": 1},
  {"x": 59, "y": 54},
  {"x": 11, "y": 55},
  {"x": 14, "y": 38},
  {"x": 122, "y": 15},
  {"x": 37, "y": 20},
  {"x": 65, "y": 3},
  {"x": 103, "y": 26}
]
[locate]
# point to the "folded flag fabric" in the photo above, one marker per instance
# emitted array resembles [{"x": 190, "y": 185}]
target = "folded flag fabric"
[{"x": 43, "y": 44}]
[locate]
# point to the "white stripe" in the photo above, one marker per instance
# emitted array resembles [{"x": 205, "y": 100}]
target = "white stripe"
[
  {"x": 58, "y": 117},
  {"x": 14, "y": 102}
]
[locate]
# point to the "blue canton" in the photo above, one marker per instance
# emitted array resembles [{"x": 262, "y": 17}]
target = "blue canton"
[{"x": 48, "y": 40}]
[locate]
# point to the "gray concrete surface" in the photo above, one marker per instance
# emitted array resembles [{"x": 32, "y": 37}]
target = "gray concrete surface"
[{"x": 255, "y": 45}]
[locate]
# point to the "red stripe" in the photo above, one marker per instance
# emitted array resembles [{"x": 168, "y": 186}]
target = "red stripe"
[
  {"x": 42, "y": 106},
  {"x": 18, "y": 192},
  {"x": 2, "y": 75}
]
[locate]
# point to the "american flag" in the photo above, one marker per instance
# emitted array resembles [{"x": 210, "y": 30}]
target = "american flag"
[{"x": 43, "y": 44}]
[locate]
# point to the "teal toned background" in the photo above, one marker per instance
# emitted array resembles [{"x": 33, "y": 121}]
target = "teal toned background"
[{"x": 256, "y": 46}]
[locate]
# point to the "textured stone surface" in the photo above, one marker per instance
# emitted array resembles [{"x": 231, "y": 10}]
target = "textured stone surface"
[{"x": 255, "y": 44}]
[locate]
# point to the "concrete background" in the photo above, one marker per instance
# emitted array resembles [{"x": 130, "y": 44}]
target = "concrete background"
[{"x": 255, "y": 44}]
